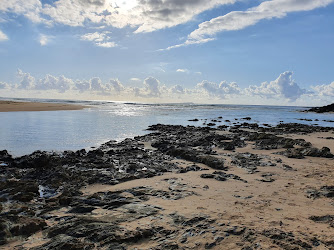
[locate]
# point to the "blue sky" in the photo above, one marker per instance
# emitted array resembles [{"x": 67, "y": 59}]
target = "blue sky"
[{"x": 207, "y": 51}]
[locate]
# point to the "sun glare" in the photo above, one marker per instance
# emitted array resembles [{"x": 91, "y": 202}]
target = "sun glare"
[{"x": 124, "y": 5}]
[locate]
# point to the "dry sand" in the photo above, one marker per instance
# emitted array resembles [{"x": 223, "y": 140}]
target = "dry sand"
[{"x": 11, "y": 106}]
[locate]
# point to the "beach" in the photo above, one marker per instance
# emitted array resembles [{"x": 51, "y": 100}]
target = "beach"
[
  {"x": 14, "y": 106},
  {"x": 178, "y": 187}
]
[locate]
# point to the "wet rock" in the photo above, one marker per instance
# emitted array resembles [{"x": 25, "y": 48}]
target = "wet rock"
[
  {"x": 26, "y": 226},
  {"x": 247, "y": 161},
  {"x": 5, "y": 156},
  {"x": 207, "y": 176},
  {"x": 324, "y": 219},
  {"x": 210, "y": 124},
  {"x": 66, "y": 242},
  {"x": 235, "y": 230},
  {"x": 81, "y": 209},
  {"x": 324, "y": 191},
  {"x": 300, "y": 153}
]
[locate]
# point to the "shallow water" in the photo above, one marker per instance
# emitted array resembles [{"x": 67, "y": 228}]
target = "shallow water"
[{"x": 24, "y": 132}]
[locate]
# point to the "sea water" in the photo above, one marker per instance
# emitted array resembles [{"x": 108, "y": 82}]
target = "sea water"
[{"x": 24, "y": 132}]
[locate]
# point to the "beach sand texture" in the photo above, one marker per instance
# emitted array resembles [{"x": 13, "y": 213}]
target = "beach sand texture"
[{"x": 13, "y": 106}]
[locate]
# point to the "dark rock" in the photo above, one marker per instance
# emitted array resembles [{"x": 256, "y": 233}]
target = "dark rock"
[
  {"x": 324, "y": 219},
  {"x": 25, "y": 226},
  {"x": 323, "y": 109},
  {"x": 210, "y": 124},
  {"x": 81, "y": 209}
]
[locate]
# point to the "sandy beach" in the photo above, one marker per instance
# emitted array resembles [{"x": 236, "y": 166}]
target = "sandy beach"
[
  {"x": 11, "y": 106},
  {"x": 183, "y": 188}
]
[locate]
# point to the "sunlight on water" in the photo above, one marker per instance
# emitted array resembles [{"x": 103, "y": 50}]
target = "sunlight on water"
[{"x": 24, "y": 132}]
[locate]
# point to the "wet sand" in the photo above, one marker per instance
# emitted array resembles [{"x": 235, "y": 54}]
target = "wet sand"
[{"x": 11, "y": 106}]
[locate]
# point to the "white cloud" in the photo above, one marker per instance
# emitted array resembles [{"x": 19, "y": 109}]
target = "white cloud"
[
  {"x": 283, "y": 90},
  {"x": 31, "y": 9},
  {"x": 3, "y": 36},
  {"x": 27, "y": 81},
  {"x": 135, "y": 79},
  {"x": 237, "y": 20},
  {"x": 82, "y": 86},
  {"x": 107, "y": 44},
  {"x": 117, "y": 85},
  {"x": 49, "y": 82},
  {"x": 324, "y": 90},
  {"x": 284, "y": 86},
  {"x": 97, "y": 85},
  {"x": 44, "y": 39},
  {"x": 219, "y": 90},
  {"x": 152, "y": 86},
  {"x": 143, "y": 15},
  {"x": 4, "y": 85},
  {"x": 182, "y": 70},
  {"x": 100, "y": 39},
  {"x": 177, "y": 89}
]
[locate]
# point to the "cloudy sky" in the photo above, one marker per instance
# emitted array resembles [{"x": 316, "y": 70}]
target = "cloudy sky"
[{"x": 202, "y": 51}]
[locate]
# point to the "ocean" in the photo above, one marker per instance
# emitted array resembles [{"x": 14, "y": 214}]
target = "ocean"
[{"x": 24, "y": 132}]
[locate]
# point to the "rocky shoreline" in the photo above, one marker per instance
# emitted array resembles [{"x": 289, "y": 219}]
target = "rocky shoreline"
[
  {"x": 323, "y": 109},
  {"x": 238, "y": 187}
]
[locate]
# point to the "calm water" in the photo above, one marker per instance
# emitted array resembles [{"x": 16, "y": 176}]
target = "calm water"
[{"x": 24, "y": 132}]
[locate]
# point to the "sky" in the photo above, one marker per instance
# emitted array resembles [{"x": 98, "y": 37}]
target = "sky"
[{"x": 276, "y": 52}]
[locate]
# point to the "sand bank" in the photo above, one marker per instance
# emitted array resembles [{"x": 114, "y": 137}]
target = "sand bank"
[{"x": 11, "y": 106}]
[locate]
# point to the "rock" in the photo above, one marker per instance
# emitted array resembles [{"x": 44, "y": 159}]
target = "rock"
[
  {"x": 27, "y": 226},
  {"x": 81, "y": 209},
  {"x": 323, "y": 109}
]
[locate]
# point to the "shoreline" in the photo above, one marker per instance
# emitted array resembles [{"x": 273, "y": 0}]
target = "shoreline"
[
  {"x": 17, "y": 106},
  {"x": 177, "y": 187}
]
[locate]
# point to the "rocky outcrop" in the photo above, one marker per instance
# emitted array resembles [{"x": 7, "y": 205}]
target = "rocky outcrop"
[{"x": 323, "y": 109}]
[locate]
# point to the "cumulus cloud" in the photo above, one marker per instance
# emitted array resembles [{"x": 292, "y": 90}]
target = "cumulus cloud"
[
  {"x": 152, "y": 86},
  {"x": 100, "y": 39},
  {"x": 27, "y": 81},
  {"x": 4, "y": 85},
  {"x": 44, "y": 39},
  {"x": 324, "y": 90},
  {"x": 280, "y": 91},
  {"x": 31, "y": 9},
  {"x": 237, "y": 20},
  {"x": 284, "y": 86},
  {"x": 82, "y": 86},
  {"x": 177, "y": 89},
  {"x": 219, "y": 90},
  {"x": 116, "y": 85},
  {"x": 3, "y": 36},
  {"x": 49, "y": 82},
  {"x": 96, "y": 84}
]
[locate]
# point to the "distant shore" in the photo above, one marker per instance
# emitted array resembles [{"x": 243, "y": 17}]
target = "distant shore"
[{"x": 12, "y": 106}]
